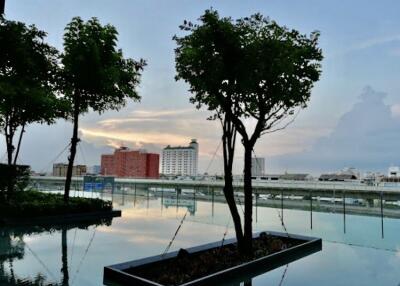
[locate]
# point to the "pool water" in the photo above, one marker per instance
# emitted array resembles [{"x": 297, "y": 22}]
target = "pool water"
[{"x": 355, "y": 249}]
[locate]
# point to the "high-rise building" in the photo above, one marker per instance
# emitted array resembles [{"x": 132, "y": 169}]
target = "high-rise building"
[
  {"x": 129, "y": 163},
  {"x": 257, "y": 166},
  {"x": 60, "y": 170},
  {"x": 180, "y": 160}
]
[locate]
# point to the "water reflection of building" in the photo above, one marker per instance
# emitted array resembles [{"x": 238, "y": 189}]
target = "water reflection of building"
[{"x": 191, "y": 205}]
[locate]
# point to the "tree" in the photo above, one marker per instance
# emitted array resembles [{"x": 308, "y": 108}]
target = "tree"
[
  {"x": 95, "y": 75},
  {"x": 269, "y": 73},
  {"x": 208, "y": 78},
  {"x": 28, "y": 70}
]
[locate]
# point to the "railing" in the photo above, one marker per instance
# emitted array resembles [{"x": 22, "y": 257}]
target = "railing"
[{"x": 298, "y": 185}]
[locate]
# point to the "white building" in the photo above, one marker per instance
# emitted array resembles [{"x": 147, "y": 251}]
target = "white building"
[
  {"x": 182, "y": 161},
  {"x": 257, "y": 166},
  {"x": 394, "y": 172}
]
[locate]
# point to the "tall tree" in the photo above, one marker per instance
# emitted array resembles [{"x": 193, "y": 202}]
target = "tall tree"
[
  {"x": 95, "y": 75},
  {"x": 269, "y": 73},
  {"x": 28, "y": 69},
  {"x": 278, "y": 69},
  {"x": 203, "y": 61}
]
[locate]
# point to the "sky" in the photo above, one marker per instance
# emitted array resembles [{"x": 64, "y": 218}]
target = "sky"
[{"x": 353, "y": 118}]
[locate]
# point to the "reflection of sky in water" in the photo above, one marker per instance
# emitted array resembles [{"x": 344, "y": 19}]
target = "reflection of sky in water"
[{"x": 147, "y": 227}]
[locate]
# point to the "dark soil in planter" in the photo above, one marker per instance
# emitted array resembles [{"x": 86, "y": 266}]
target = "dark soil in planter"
[{"x": 188, "y": 267}]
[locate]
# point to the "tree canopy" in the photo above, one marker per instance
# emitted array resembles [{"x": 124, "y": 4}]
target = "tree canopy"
[
  {"x": 28, "y": 71},
  {"x": 251, "y": 67},
  {"x": 95, "y": 73}
]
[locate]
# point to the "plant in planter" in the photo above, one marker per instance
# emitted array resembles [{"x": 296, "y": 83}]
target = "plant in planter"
[
  {"x": 94, "y": 75},
  {"x": 250, "y": 69},
  {"x": 213, "y": 263},
  {"x": 247, "y": 72}
]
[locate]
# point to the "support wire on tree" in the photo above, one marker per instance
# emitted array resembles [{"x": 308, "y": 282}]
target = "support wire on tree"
[
  {"x": 275, "y": 207},
  {"x": 174, "y": 236},
  {"x": 55, "y": 159}
]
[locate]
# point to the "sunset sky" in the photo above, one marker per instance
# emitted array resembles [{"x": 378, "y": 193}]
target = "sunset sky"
[{"x": 353, "y": 118}]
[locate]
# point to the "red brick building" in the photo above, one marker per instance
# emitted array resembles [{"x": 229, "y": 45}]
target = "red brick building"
[{"x": 129, "y": 163}]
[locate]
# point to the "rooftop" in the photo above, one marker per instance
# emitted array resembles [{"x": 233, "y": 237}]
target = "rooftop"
[{"x": 178, "y": 147}]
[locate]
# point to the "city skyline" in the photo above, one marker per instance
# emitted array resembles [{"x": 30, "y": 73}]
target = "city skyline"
[{"x": 358, "y": 53}]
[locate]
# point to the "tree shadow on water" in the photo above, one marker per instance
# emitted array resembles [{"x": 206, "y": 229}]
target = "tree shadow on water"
[{"x": 13, "y": 248}]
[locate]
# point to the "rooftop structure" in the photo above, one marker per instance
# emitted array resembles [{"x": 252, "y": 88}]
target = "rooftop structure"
[{"x": 337, "y": 177}]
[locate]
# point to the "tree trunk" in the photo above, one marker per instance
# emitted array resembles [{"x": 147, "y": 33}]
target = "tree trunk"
[
  {"x": 71, "y": 158},
  {"x": 248, "y": 283},
  {"x": 2, "y": 6},
  {"x": 64, "y": 258},
  {"x": 9, "y": 134},
  {"x": 248, "y": 200},
  {"x": 228, "y": 142},
  {"x": 10, "y": 147},
  {"x": 19, "y": 144},
  {"x": 230, "y": 200}
]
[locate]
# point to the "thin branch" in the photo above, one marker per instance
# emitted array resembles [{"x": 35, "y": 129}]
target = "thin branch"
[
  {"x": 275, "y": 112},
  {"x": 283, "y": 127},
  {"x": 278, "y": 119}
]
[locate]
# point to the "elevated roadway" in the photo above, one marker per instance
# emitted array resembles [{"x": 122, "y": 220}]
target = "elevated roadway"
[{"x": 300, "y": 188}]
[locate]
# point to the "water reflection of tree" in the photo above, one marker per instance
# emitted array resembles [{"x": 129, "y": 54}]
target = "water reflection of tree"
[
  {"x": 248, "y": 281},
  {"x": 64, "y": 258},
  {"x": 13, "y": 247}
]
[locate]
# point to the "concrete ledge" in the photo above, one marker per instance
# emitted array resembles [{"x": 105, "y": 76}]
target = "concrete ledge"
[
  {"x": 66, "y": 218},
  {"x": 117, "y": 273}
]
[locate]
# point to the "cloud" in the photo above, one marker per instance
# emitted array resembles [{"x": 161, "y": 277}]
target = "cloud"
[
  {"x": 157, "y": 127},
  {"x": 389, "y": 43},
  {"x": 376, "y": 41},
  {"x": 44, "y": 145},
  {"x": 133, "y": 137},
  {"x": 152, "y": 116},
  {"x": 395, "y": 52},
  {"x": 366, "y": 137},
  {"x": 395, "y": 110}
]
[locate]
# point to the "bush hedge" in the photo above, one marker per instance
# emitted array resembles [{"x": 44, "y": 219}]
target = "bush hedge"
[
  {"x": 34, "y": 204},
  {"x": 15, "y": 175}
]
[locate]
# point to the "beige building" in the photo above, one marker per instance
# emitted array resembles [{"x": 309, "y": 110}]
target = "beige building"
[{"x": 60, "y": 170}]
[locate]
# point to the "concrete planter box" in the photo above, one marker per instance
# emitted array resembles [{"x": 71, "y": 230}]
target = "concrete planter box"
[
  {"x": 66, "y": 218},
  {"x": 308, "y": 245}
]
